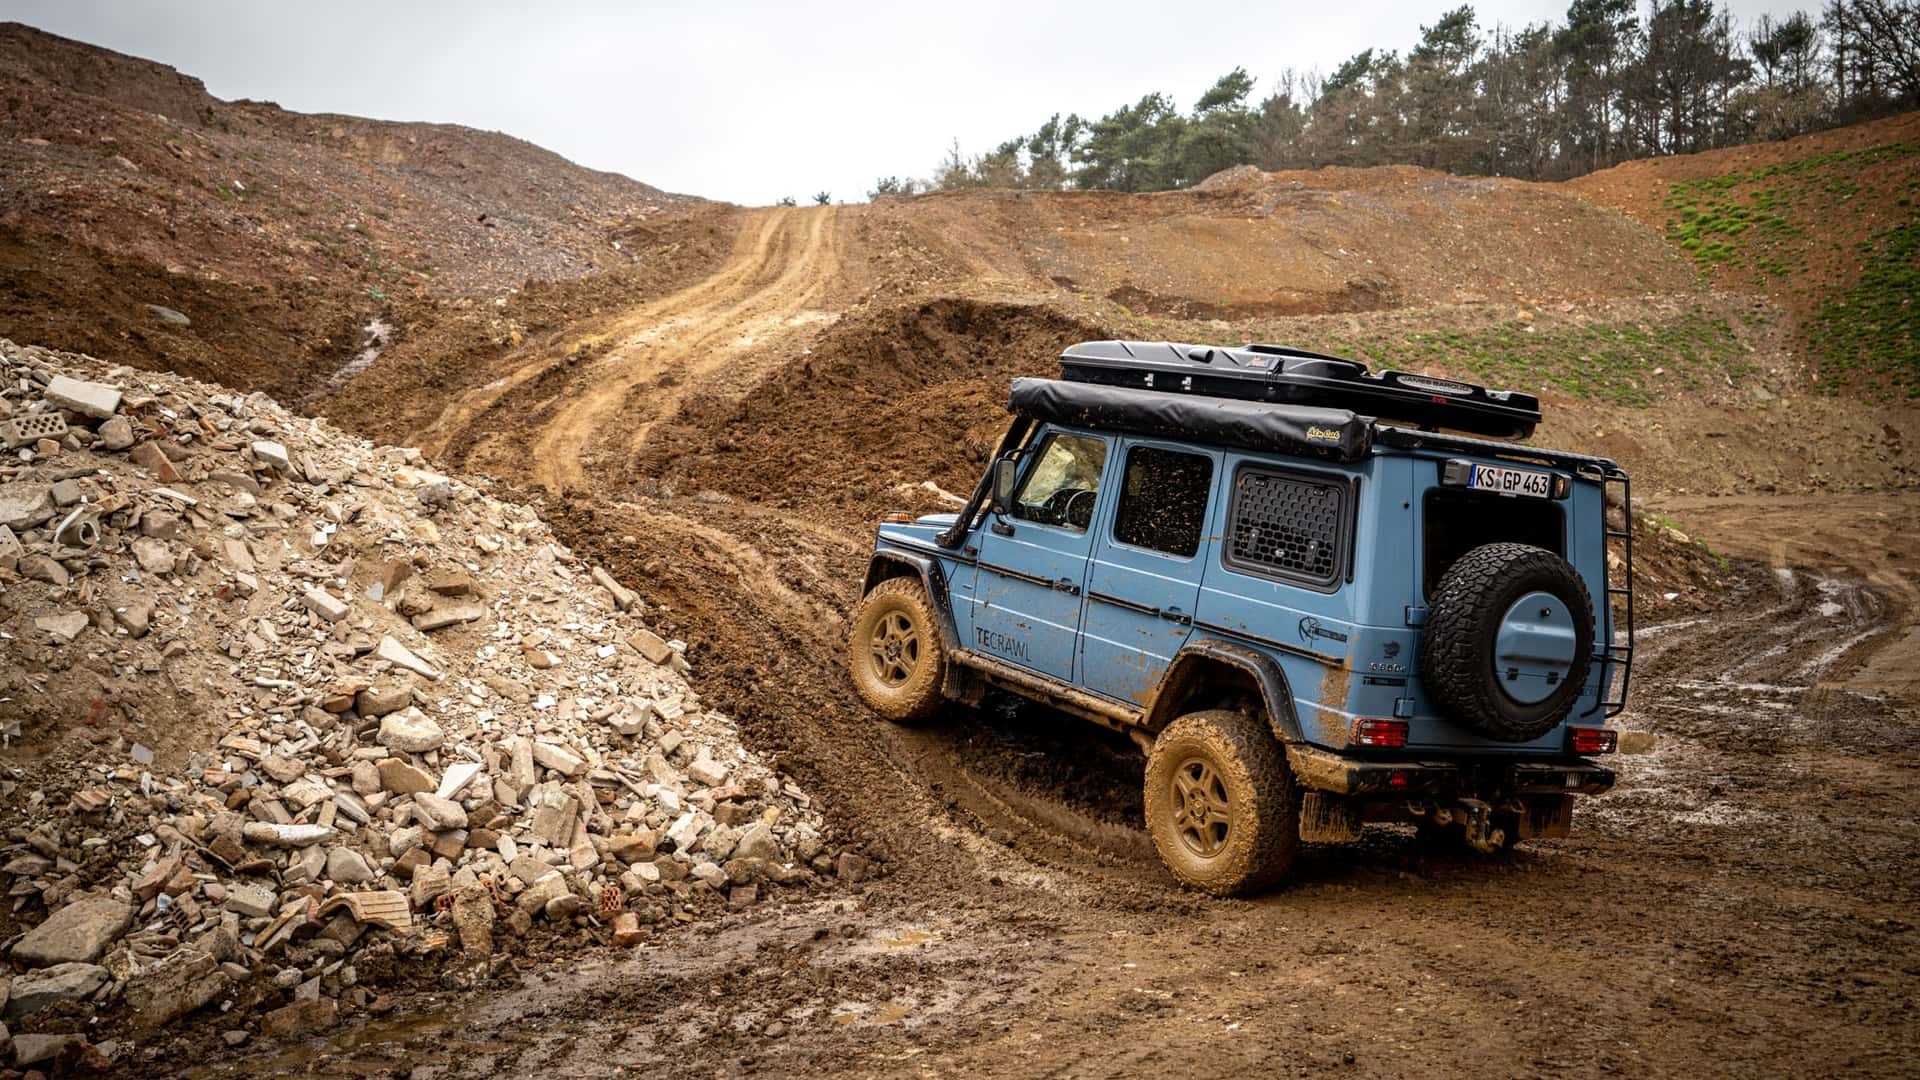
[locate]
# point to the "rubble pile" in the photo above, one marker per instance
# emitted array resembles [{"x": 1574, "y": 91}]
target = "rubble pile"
[{"x": 389, "y": 716}]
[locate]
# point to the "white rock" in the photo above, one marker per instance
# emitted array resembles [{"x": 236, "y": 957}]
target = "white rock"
[
  {"x": 458, "y": 776},
  {"x": 400, "y": 656},
  {"x": 559, "y": 758},
  {"x": 411, "y": 731},
  {"x": 685, "y": 830},
  {"x": 97, "y": 400},
  {"x": 267, "y": 832},
  {"x": 273, "y": 454},
  {"x": 325, "y": 604}
]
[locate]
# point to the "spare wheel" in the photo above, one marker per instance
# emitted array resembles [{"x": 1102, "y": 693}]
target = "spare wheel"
[{"x": 1508, "y": 641}]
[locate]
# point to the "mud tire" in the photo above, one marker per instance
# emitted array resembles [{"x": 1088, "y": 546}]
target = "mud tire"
[
  {"x": 1250, "y": 767},
  {"x": 1463, "y": 622},
  {"x": 914, "y": 698}
]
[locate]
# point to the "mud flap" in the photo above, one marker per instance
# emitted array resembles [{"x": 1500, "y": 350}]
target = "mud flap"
[
  {"x": 1328, "y": 819},
  {"x": 1546, "y": 817}
]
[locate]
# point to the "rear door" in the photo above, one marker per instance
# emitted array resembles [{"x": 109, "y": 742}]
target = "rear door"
[
  {"x": 1032, "y": 566},
  {"x": 1144, "y": 580}
]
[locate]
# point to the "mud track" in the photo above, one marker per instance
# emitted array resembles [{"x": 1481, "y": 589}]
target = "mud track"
[
  {"x": 602, "y": 395},
  {"x": 1742, "y": 904}
]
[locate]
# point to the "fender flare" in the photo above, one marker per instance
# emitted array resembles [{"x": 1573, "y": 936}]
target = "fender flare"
[
  {"x": 932, "y": 578},
  {"x": 1275, "y": 693}
]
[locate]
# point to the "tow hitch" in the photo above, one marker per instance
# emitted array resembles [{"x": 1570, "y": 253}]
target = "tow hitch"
[{"x": 1473, "y": 816}]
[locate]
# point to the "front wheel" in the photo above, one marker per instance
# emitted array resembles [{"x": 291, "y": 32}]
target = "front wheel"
[
  {"x": 894, "y": 653},
  {"x": 1221, "y": 803}
]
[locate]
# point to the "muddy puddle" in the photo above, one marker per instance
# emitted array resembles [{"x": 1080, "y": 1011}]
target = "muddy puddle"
[{"x": 374, "y": 339}]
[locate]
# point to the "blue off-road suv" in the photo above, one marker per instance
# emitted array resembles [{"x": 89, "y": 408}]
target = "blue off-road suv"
[{"x": 1303, "y": 592}]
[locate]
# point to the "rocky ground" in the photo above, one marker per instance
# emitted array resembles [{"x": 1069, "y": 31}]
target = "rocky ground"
[{"x": 287, "y": 712}]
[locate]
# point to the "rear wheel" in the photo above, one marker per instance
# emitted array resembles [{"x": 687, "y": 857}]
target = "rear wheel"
[
  {"x": 1221, "y": 804},
  {"x": 894, "y": 653}
]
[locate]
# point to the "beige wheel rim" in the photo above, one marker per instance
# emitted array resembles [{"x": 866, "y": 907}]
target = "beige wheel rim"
[
  {"x": 894, "y": 649},
  {"x": 1202, "y": 810}
]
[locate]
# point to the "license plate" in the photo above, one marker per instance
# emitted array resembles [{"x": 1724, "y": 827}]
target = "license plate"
[{"x": 1507, "y": 481}]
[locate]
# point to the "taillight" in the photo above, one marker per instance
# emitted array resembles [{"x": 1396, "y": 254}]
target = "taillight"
[
  {"x": 1592, "y": 740},
  {"x": 1388, "y": 733}
]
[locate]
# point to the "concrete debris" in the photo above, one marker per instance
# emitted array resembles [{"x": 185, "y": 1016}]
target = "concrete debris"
[
  {"x": 336, "y": 788},
  {"x": 285, "y": 835},
  {"x": 77, "y": 933},
  {"x": 96, "y": 400},
  {"x": 22, "y": 506},
  {"x": 325, "y": 604},
  {"x": 36, "y": 990},
  {"x": 402, "y": 657},
  {"x": 62, "y": 628},
  {"x": 302, "y": 1018},
  {"x": 623, "y": 598},
  {"x": 410, "y": 730},
  {"x": 651, "y": 645},
  {"x": 169, "y": 315}
]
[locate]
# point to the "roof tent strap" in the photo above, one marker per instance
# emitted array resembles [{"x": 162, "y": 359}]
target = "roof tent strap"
[{"x": 957, "y": 532}]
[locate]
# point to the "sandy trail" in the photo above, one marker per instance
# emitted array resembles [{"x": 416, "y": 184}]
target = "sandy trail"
[{"x": 640, "y": 365}]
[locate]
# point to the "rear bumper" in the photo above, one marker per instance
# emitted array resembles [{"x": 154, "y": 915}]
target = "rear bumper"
[{"x": 1324, "y": 770}]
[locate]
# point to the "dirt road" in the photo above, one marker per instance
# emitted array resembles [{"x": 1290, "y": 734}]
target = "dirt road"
[
  {"x": 1741, "y": 905},
  {"x": 596, "y": 397}
]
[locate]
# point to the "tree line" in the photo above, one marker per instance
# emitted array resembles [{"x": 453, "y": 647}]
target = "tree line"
[{"x": 1545, "y": 102}]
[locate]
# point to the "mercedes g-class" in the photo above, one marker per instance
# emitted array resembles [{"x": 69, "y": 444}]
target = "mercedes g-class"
[{"x": 1316, "y": 597}]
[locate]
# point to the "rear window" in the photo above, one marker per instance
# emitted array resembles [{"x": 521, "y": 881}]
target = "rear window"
[
  {"x": 1163, "y": 500},
  {"x": 1458, "y": 521},
  {"x": 1288, "y": 526}
]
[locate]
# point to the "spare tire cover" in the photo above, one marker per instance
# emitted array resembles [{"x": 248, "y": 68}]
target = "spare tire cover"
[{"x": 1508, "y": 642}]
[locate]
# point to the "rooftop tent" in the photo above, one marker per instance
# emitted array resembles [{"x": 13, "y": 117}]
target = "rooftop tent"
[{"x": 1282, "y": 375}]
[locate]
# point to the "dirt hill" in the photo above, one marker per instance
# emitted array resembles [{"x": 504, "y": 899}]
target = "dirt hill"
[
  {"x": 278, "y": 235},
  {"x": 1827, "y": 225}
]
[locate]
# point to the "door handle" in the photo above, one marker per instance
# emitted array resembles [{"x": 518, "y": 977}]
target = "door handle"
[
  {"x": 1067, "y": 586},
  {"x": 1174, "y": 614}
]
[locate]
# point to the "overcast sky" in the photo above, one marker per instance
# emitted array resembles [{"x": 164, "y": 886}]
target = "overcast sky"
[{"x": 747, "y": 101}]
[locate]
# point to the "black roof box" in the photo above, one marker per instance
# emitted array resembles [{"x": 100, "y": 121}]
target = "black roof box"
[{"x": 1277, "y": 373}]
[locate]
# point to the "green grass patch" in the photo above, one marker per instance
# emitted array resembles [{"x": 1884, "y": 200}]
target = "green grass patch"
[
  {"x": 1608, "y": 362},
  {"x": 1873, "y": 329},
  {"x": 1758, "y": 218},
  {"x": 1789, "y": 219}
]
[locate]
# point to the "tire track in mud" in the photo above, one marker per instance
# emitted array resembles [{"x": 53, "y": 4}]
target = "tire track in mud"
[{"x": 762, "y": 602}]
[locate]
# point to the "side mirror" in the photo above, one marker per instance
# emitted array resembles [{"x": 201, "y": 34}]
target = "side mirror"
[{"x": 1004, "y": 475}]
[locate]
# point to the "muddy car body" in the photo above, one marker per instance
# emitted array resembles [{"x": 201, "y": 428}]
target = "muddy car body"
[{"x": 1308, "y": 616}]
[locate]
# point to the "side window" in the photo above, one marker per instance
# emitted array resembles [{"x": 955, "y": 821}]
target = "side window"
[
  {"x": 1287, "y": 526},
  {"x": 1061, "y": 486},
  {"x": 1163, "y": 500}
]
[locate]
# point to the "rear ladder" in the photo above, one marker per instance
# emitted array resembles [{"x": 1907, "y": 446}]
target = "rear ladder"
[{"x": 1613, "y": 654}]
